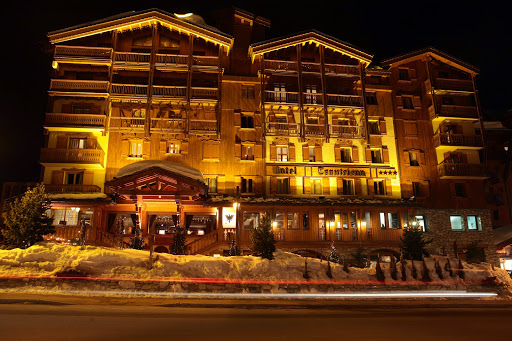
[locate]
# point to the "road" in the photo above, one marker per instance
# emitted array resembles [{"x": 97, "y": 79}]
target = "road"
[{"x": 106, "y": 322}]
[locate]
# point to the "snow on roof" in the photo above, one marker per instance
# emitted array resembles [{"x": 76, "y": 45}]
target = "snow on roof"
[
  {"x": 313, "y": 201},
  {"x": 169, "y": 166},
  {"x": 79, "y": 196},
  {"x": 502, "y": 234}
]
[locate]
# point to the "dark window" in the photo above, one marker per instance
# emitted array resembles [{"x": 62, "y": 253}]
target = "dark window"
[
  {"x": 371, "y": 99},
  {"x": 283, "y": 186},
  {"x": 74, "y": 178},
  {"x": 416, "y": 189},
  {"x": 407, "y": 103},
  {"x": 348, "y": 187},
  {"x": 247, "y": 121},
  {"x": 305, "y": 221},
  {"x": 442, "y": 74},
  {"x": 374, "y": 128},
  {"x": 460, "y": 190},
  {"x": 246, "y": 185},
  {"x": 413, "y": 159},
  {"x": 447, "y": 101},
  {"x": 403, "y": 74},
  {"x": 379, "y": 187},
  {"x": 248, "y": 91},
  {"x": 376, "y": 156},
  {"x": 496, "y": 214}
]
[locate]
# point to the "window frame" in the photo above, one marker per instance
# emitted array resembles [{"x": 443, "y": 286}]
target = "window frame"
[
  {"x": 246, "y": 121},
  {"x": 280, "y": 155},
  {"x": 461, "y": 222},
  {"x": 409, "y": 101},
  {"x": 478, "y": 222}
]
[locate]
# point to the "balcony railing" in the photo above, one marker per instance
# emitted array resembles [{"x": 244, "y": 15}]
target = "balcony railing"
[
  {"x": 204, "y": 93},
  {"x": 344, "y": 100},
  {"x": 458, "y": 140},
  {"x": 73, "y": 85},
  {"x": 170, "y": 91},
  {"x": 82, "y": 52},
  {"x": 61, "y": 155},
  {"x": 454, "y": 84},
  {"x": 53, "y": 188},
  {"x": 203, "y": 126},
  {"x": 341, "y": 69},
  {"x": 205, "y": 61},
  {"x": 281, "y": 97},
  {"x": 74, "y": 120},
  {"x": 126, "y": 123},
  {"x": 312, "y": 98},
  {"x": 129, "y": 90},
  {"x": 278, "y": 128},
  {"x": 130, "y": 58},
  {"x": 173, "y": 60},
  {"x": 280, "y": 65},
  {"x": 462, "y": 170},
  {"x": 454, "y": 111},
  {"x": 168, "y": 125},
  {"x": 345, "y": 131},
  {"x": 315, "y": 129},
  {"x": 311, "y": 67}
]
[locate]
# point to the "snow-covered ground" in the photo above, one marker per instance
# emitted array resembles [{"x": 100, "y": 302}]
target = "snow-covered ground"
[{"x": 51, "y": 258}]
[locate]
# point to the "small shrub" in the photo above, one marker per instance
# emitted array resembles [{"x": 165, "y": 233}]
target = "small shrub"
[
  {"x": 380, "y": 274},
  {"x": 392, "y": 268},
  {"x": 439, "y": 271},
  {"x": 425, "y": 273}
]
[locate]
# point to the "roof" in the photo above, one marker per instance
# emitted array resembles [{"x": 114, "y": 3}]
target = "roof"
[
  {"x": 314, "y": 37},
  {"x": 444, "y": 57},
  {"x": 190, "y": 23},
  {"x": 179, "y": 169},
  {"x": 503, "y": 235}
]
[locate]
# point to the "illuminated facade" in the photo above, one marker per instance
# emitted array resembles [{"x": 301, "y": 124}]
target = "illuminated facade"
[{"x": 176, "y": 121}]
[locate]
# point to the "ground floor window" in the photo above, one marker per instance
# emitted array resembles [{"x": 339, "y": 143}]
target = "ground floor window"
[
  {"x": 252, "y": 220},
  {"x": 65, "y": 216},
  {"x": 393, "y": 222},
  {"x": 474, "y": 223},
  {"x": 124, "y": 222},
  {"x": 456, "y": 223},
  {"x": 292, "y": 220}
]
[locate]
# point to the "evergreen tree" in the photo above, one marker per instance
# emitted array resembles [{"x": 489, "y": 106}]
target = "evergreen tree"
[
  {"x": 359, "y": 258},
  {"x": 178, "y": 245},
  {"x": 263, "y": 241},
  {"x": 137, "y": 241},
  {"x": 475, "y": 254},
  {"x": 118, "y": 234},
  {"x": 334, "y": 257},
  {"x": 27, "y": 221},
  {"x": 413, "y": 245},
  {"x": 233, "y": 250}
]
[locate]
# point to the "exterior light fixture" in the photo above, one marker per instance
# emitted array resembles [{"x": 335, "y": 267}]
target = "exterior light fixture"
[
  {"x": 274, "y": 224},
  {"x": 236, "y": 205},
  {"x": 363, "y": 224}
]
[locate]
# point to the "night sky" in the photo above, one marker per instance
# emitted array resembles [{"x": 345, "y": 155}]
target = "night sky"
[{"x": 476, "y": 33}]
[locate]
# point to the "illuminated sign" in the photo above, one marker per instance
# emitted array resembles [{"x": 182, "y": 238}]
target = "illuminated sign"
[
  {"x": 228, "y": 217},
  {"x": 340, "y": 171}
]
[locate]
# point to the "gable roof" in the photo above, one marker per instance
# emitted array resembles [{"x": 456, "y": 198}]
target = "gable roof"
[
  {"x": 431, "y": 51},
  {"x": 189, "y": 23},
  {"x": 314, "y": 37}
]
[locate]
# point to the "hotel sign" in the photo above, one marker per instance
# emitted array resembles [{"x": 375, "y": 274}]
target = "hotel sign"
[
  {"x": 335, "y": 171},
  {"x": 332, "y": 171}
]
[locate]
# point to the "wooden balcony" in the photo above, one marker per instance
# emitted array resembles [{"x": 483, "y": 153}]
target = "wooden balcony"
[
  {"x": 133, "y": 90},
  {"x": 312, "y": 98},
  {"x": 335, "y": 69},
  {"x": 203, "y": 126},
  {"x": 61, "y": 155},
  {"x": 282, "y": 129},
  {"x": 74, "y": 120},
  {"x": 346, "y": 131},
  {"x": 102, "y": 54},
  {"x": 168, "y": 125},
  {"x": 281, "y": 97},
  {"x": 314, "y": 129},
  {"x": 170, "y": 91},
  {"x": 458, "y": 140},
  {"x": 311, "y": 67},
  {"x": 454, "y": 84},
  {"x": 280, "y": 66},
  {"x": 133, "y": 124},
  {"x": 132, "y": 59},
  {"x": 79, "y": 87},
  {"x": 462, "y": 170},
  {"x": 206, "y": 62},
  {"x": 204, "y": 93},
  {"x": 60, "y": 188},
  {"x": 345, "y": 100},
  {"x": 454, "y": 111},
  {"x": 171, "y": 61}
]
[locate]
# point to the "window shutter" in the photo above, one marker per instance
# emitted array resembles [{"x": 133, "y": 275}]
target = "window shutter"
[
  {"x": 382, "y": 126},
  {"x": 184, "y": 147},
  {"x": 221, "y": 184},
  {"x": 238, "y": 151},
  {"x": 399, "y": 102},
  {"x": 337, "y": 153},
  {"x": 257, "y": 120},
  {"x": 425, "y": 189},
  {"x": 238, "y": 119},
  {"x": 88, "y": 178},
  {"x": 389, "y": 188},
  {"x": 146, "y": 149},
  {"x": 273, "y": 185},
  {"x": 355, "y": 154},
  {"x": 291, "y": 152},
  {"x": 371, "y": 190},
  {"x": 358, "y": 187},
  {"x": 318, "y": 153},
  {"x": 305, "y": 153},
  {"x": 339, "y": 182},
  {"x": 62, "y": 141},
  {"x": 407, "y": 160},
  {"x": 407, "y": 190},
  {"x": 385, "y": 154},
  {"x": 307, "y": 186},
  {"x": 421, "y": 157},
  {"x": 57, "y": 177},
  {"x": 90, "y": 143},
  {"x": 258, "y": 151},
  {"x": 417, "y": 102},
  {"x": 293, "y": 185},
  {"x": 125, "y": 148},
  {"x": 368, "y": 153},
  {"x": 326, "y": 190},
  {"x": 163, "y": 146},
  {"x": 273, "y": 152}
]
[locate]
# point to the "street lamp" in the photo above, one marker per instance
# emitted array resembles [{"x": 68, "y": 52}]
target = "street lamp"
[{"x": 236, "y": 206}]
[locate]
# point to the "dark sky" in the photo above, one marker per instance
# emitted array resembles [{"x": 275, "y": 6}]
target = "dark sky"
[{"x": 477, "y": 33}]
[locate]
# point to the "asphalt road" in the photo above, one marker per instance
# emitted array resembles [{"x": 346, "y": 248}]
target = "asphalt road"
[{"x": 105, "y": 322}]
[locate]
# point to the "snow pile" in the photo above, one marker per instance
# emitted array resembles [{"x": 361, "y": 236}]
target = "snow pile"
[
  {"x": 51, "y": 258},
  {"x": 172, "y": 167}
]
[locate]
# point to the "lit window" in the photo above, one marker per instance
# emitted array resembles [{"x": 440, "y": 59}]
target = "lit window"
[
  {"x": 283, "y": 186},
  {"x": 413, "y": 159},
  {"x": 247, "y": 152},
  {"x": 316, "y": 186},
  {"x": 135, "y": 149},
  {"x": 420, "y": 219},
  {"x": 379, "y": 187},
  {"x": 348, "y": 187},
  {"x": 280, "y": 92},
  {"x": 382, "y": 220},
  {"x": 393, "y": 220},
  {"x": 247, "y": 121},
  {"x": 251, "y": 220},
  {"x": 312, "y": 156},
  {"x": 282, "y": 153},
  {"x": 456, "y": 223},
  {"x": 321, "y": 225},
  {"x": 279, "y": 219},
  {"x": 173, "y": 148},
  {"x": 77, "y": 143},
  {"x": 212, "y": 185},
  {"x": 310, "y": 94},
  {"x": 345, "y": 155},
  {"x": 474, "y": 223},
  {"x": 292, "y": 220},
  {"x": 65, "y": 216}
]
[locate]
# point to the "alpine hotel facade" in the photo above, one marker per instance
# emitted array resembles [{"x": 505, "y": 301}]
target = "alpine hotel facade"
[{"x": 160, "y": 120}]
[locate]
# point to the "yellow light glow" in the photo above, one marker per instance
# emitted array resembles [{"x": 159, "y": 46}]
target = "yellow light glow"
[
  {"x": 274, "y": 224},
  {"x": 183, "y": 15},
  {"x": 363, "y": 224},
  {"x": 236, "y": 205},
  {"x": 55, "y": 65}
]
